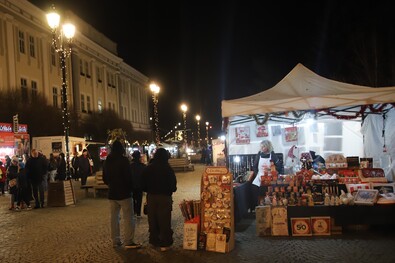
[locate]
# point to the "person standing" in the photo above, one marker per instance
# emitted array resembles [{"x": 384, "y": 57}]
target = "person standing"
[
  {"x": 12, "y": 176},
  {"x": 36, "y": 167},
  {"x": 137, "y": 169},
  {"x": 24, "y": 189},
  {"x": 84, "y": 168},
  {"x": 61, "y": 170},
  {"x": 52, "y": 167},
  {"x": 262, "y": 162},
  {"x": 117, "y": 175},
  {"x": 3, "y": 178},
  {"x": 159, "y": 182}
]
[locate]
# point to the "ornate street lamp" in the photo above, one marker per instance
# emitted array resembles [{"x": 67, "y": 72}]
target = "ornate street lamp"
[
  {"x": 184, "y": 109},
  {"x": 198, "y": 129},
  {"x": 155, "y": 91},
  {"x": 61, "y": 42}
]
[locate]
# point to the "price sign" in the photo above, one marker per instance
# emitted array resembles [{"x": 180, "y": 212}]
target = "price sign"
[{"x": 301, "y": 226}]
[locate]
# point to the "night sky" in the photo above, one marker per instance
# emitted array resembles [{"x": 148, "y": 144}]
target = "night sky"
[{"x": 202, "y": 52}]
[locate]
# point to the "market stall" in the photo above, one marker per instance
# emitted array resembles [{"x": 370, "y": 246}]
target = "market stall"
[
  {"x": 306, "y": 114},
  {"x": 13, "y": 142}
]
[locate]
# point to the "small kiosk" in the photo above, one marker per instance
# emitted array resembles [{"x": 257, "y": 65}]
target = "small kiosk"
[{"x": 13, "y": 142}]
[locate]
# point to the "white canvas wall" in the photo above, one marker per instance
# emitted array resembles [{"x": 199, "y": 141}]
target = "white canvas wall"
[
  {"x": 372, "y": 130},
  {"x": 325, "y": 137}
]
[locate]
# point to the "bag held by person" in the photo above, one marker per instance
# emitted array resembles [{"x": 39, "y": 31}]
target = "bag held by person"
[{"x": 12, "y": 182}]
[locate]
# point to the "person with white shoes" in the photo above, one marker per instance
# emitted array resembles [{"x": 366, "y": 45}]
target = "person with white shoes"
[{"x": 118, "y": 176}]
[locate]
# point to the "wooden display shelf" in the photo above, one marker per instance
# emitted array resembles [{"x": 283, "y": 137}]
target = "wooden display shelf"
[{"x": 217, "y": 215}]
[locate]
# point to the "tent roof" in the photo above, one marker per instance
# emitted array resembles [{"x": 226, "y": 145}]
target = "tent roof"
[{"x": 302, "y": 89}]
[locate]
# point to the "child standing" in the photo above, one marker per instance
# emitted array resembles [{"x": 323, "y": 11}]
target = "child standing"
[{"x": 12, "y": 175}]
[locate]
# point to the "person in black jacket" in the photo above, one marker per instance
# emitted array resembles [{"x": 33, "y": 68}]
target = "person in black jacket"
[
  {"x": 36, "y": 167},
  {"x": 159, "y": 181},
  {"x": 137, "y": 170},
  {"x": 118, "y": 176},
  {"x": 61, "y": 169},
  {"x": 24, "y": 189}
]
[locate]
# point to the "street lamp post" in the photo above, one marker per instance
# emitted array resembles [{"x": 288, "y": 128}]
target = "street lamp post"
[
  {"x": 207, "y": 123},
  {"x": 61, "y": 42},
  {"x": 184, "y": 109},
  {"x": 198, "y": 129},
  {"x": 155, "y": 91}
]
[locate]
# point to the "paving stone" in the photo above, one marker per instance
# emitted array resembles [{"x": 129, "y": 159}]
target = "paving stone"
[{"x": 81, "y": 233}]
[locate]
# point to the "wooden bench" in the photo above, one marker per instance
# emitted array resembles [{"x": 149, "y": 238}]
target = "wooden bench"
[
  {"x": 99, "y": 185},
  {"x": 181, "y": 164}
]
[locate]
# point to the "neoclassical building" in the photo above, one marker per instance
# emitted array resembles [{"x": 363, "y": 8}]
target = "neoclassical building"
[{"x": 97, "y": 78}]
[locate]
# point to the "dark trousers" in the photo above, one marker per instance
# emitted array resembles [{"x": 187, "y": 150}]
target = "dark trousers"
[
  {"x": 2, "y": 187},
  {"x": 137, "y": 200},
  {"x": 84, "y": 177},
  {"x": 256, "y": 192},
  {"x": 23, "y": 196},
  {"x": 38, "y": 194},
  {"x": 159, "y": 220}
]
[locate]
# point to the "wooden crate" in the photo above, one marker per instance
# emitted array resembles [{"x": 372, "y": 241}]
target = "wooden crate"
[{"x": 61, "y": 193}]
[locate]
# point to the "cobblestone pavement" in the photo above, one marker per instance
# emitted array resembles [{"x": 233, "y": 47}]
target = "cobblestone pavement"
[{"x": 80, "y": 233}]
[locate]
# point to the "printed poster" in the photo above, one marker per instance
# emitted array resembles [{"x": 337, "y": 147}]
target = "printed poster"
[
  {"x": 291, "y": 134},
  {"x": 242, "y": 135},
  {"x": 262, "y": 131},
  {"x": 190, "y": 236}
]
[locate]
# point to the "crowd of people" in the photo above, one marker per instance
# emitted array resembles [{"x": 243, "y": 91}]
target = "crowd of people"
[{"x": 26, "y": 178}]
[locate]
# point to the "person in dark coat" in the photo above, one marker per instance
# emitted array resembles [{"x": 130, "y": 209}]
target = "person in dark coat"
[
  {"x": 137, "y": 169},
  {"x": 61, "y": 169},
  {"x": 159, "y": 181},
  {"x": 24, "y": 189},
  {"x": 84, "y": 168},
  {"x": 12, "y": 176},
  {"x": 118, "y": 176},
  {"x": 36, "y": 167}
]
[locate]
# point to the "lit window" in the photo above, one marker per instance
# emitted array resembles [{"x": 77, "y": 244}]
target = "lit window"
[{"x": 99, "y": 106}]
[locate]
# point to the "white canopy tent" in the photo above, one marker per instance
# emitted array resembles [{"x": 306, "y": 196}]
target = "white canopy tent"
[{"x": 304, "y": 91}]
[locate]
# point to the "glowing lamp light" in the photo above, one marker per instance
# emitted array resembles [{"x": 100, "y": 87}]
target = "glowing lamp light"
[
  {"x": 68, "y": 30},
  {"x": 53, "y": 19}
]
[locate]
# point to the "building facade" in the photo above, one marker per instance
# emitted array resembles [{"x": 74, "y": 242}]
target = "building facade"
[{"x": 97, "y": 78}]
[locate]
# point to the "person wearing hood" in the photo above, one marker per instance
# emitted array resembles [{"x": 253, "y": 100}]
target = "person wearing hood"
[
  {"x": 118, "y": 176},
  {"x": 159, "y": 182}
]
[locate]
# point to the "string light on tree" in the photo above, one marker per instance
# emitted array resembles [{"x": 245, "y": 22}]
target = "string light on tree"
[
  {"x": 155, "y": 91},
  {"x": 184, "y": 109},
  {"x": 198, "y": 129},
  {"x": 62, "y": 42}
]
